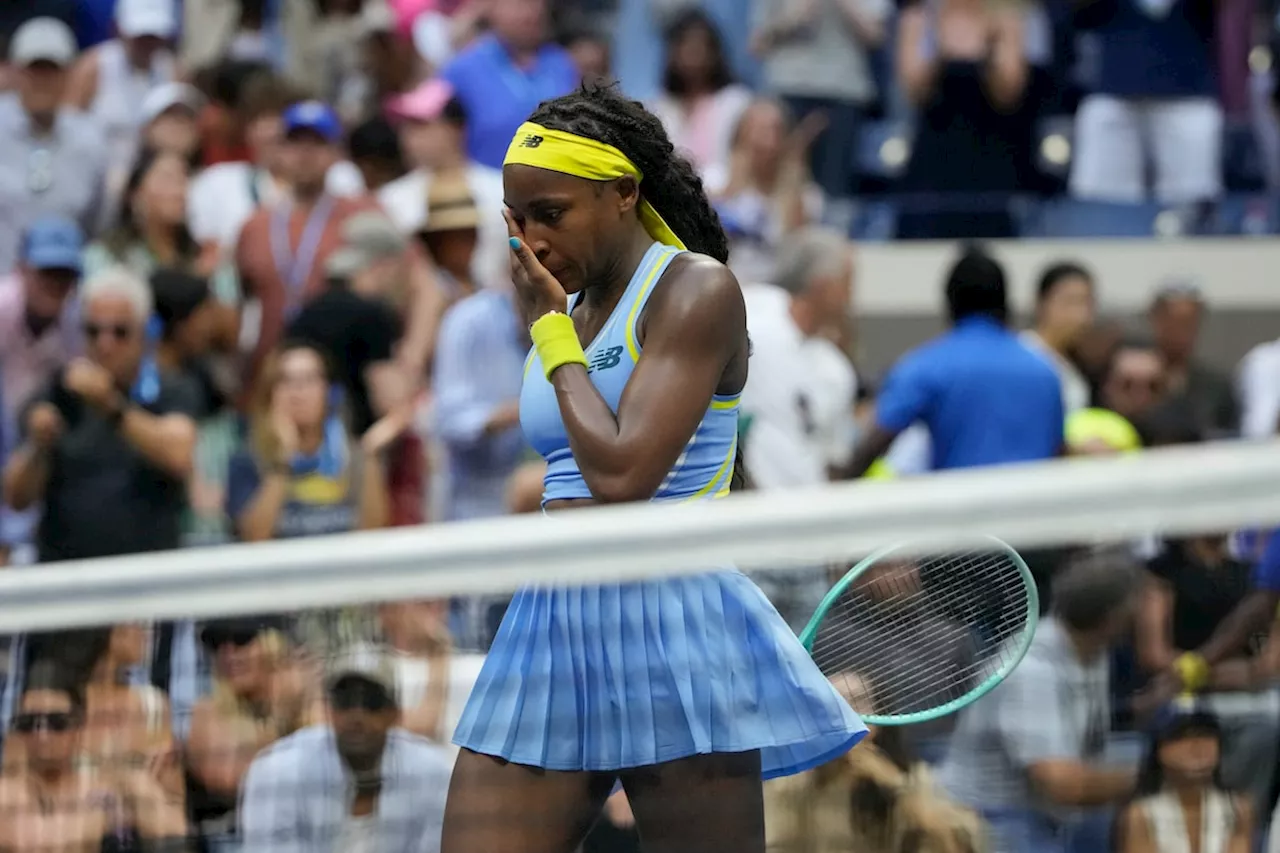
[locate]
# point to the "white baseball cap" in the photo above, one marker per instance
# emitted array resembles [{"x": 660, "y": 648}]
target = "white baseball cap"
[
  {"x": 136, "y": 18},
  {"x": 43, "y": 40},
  {"x": 172, "y": 94}
]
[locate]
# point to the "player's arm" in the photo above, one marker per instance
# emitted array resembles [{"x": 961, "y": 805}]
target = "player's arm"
[{"x": 693, "y": 325}]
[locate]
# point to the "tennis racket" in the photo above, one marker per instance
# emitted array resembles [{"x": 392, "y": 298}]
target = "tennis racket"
[{"x": 915, "y": 638}]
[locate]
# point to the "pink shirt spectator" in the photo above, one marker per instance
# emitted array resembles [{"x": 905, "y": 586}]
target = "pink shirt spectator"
[{"x": 28, "y": 361}]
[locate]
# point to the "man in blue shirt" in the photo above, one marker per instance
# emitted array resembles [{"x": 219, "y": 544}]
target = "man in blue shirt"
[
  {"x": 505, "y": 74},
  {"x": 985, "y": 398}
]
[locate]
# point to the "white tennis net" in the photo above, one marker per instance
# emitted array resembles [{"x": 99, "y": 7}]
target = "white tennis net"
[
  {"x": 244, "y": 640},
  {"x": 1219, "y": 487}
]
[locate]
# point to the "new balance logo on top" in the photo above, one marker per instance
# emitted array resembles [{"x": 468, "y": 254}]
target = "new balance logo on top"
[
  {"x": 605, "y": 359},
  {"x": 531, "y": 141}
]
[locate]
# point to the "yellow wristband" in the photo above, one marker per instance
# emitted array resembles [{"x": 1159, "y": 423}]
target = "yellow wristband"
[
  {"x": 556, "y": 341},
  {"x": 1193, "y": 670}
]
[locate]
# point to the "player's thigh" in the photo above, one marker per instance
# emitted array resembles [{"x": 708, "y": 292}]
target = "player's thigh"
[
  {"x": 1186, "y": 146},
  {"x": 1108, "y": 161},
  {"x": 702, "y": 804},
  {"x": 496, "y": 805}
]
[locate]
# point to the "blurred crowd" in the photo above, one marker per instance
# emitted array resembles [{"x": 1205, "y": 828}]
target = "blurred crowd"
[{"x": 254, "y": 285}]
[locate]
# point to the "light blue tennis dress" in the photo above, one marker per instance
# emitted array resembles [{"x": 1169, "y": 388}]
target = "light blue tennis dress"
[{"x": 624, "y": 675}]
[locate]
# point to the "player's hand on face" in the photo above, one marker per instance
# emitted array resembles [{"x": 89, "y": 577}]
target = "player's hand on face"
[{"x": 537, "y": 289}]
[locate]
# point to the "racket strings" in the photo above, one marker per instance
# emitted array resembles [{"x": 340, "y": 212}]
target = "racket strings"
[{"x": 922, "y": 632}]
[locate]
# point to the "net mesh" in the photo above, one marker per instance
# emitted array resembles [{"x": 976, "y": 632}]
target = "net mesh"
[
  {"x": 160, "y": 695},
  {"x": 916, "y": 633}
]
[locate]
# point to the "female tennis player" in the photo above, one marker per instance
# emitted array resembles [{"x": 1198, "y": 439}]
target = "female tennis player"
[{"x": 687, "y": 690}]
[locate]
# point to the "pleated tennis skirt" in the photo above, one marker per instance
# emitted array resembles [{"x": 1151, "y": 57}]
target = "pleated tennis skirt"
[{"x": 605, "y": 678}]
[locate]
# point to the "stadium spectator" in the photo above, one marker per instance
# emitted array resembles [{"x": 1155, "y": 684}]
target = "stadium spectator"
[
  {"x": 226, "y": 195},
  {"x": 1065, "y": 302},
  {"x": 441, "y": 27},
  {"x": 96, "y": 806},
  {"x": 1176, "y": 314},
  {"x": 303, "y": 474},
  {"x": 353, "y": 320},
  {"x": 433, "y": 678},
  {"x": 784, "y": 397},
  {"x": 190, "y": 318},
  {"x": 1194, "y": 585},
  {"x": 764, "y": 191},
  {"x": 283, "y": 247},
  {"x": 794, "y": 408},
  {"x": 866, "y": 800},
  {"x": 374, "y": 148},
  {"x": 701, "y": 103},
  {"x": 1180, "y": 786},
  {"x": 170, "y": 120},
  {"x": 37, "y": 333},
  {"x": 126, "y": 724},
  {"x": 817, "y": 58},
  {"x": 433, "y": 131},
  {"x": 112, "y": 80},
  {"x": 1152, "y": 107},
  {"x": 152, "y": 228},
  {"x": 1258, "y": 387},
  {"x": 54, "y": 159},
  {"x": 592, "y": 56},
  {"x": 1029, "y": 755},
  {"x": 503, "y": 75},
  {"x": 359, "y": 782},
  {"x": 258, "y": 695},
  {"x": 985, "y": 398},
  {"x": 1134, "y": 382},
  {"x": 108, "y": 446},
  {"x": 964, "y": 66}
]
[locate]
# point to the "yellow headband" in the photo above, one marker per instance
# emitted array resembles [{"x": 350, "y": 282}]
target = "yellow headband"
[{"x": 570, "y": 154}]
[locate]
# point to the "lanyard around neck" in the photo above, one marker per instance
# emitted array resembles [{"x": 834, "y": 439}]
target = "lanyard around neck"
[{"x": 294, "y": 268}]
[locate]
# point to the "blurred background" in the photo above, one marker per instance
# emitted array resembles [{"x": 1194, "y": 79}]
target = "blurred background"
[{"x": 254, "y": 286}]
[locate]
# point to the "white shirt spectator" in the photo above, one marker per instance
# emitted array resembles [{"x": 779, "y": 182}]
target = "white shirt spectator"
[
  {"x": 835, "y": 390},
  {"x": 405, "y": 201},
  {"x": 1258, "y": 380},
  {"x": 784, "y": 446},
  {"x": 1075, "y": 390},
  {"x": 223, "y": 197},
  {"x": 296, "y": 796},
  {"x": 413, "y": 674}
]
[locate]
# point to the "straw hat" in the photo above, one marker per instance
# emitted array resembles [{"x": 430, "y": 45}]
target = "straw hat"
[{"x": 450, "y": 207}]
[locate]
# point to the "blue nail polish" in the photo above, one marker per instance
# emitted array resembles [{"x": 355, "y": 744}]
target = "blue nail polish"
[{"x": 515, "y": 242}]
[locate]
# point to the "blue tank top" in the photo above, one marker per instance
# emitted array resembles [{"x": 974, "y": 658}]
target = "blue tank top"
[{"x": 703, "y": 469}]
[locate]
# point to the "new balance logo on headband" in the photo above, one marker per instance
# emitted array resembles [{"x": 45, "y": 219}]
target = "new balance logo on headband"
[{"x": 531, "y": 141}]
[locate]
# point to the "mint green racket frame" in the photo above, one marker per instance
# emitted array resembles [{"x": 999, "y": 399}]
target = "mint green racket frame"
[{"x": 1013, "y": 656}]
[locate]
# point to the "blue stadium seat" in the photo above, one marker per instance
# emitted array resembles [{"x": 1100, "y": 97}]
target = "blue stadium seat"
[
  {"x": 874, "y": 221},
  {"x": 1083, "y": 219},
  {"x": 1246, "y": 215}
]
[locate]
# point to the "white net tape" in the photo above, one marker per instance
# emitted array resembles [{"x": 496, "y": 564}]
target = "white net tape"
[{"x": 1176, "y": 491}]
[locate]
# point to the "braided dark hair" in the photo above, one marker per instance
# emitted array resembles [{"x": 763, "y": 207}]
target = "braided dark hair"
[{"x": 601, "y": 112}]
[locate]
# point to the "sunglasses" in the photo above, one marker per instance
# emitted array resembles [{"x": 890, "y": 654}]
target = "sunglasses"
[
  {"x": 239, "y": 638},
  {"x": 1141, "y": 383},
  {"x": 352, "y": 694},
  {"x": 93, "y": 331},
  {"x": 57, "y": 721}
]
